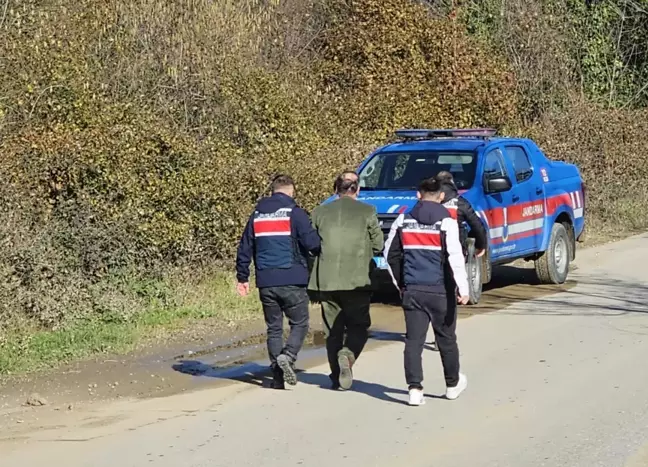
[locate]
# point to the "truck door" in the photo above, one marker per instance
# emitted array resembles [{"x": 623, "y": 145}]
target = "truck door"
[
  {"x": 501, "y": 245},
  {"x": 526, "y": 214}
]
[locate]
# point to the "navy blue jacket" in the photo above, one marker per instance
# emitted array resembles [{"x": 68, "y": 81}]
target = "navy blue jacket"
[
  {"x": 466, "y": 213},
  {"x": 306, "y": 238},
  {"x": 423, "y": 250}
]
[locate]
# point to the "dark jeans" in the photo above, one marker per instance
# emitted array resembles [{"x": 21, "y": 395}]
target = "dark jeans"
[
  {"x": 421, "y": 308},
  {"x": 347, "y": 321},
  {"x": 293, "y": 302}
]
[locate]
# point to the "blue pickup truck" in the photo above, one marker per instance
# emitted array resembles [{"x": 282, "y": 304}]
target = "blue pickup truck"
[{"x": 533, "y": 208}]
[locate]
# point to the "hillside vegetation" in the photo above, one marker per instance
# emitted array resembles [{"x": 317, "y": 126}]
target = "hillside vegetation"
[{"x": 135, "y": 136}]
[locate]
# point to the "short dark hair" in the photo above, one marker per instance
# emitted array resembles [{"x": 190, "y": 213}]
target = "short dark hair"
[
  {"x": 281, "y": 181},
  {"x": 429, "y": 186},
  {"x": 344, "y": 186},
  {"x": 444, "y": 177},
  {"x": 343, "y": 175}
]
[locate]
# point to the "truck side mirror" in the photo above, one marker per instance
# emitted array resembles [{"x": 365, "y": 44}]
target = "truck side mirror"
[{"x": 498, "y": 184}]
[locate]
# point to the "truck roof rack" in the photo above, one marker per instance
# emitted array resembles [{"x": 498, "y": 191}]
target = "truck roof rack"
[{"x": 422, "y": 133}]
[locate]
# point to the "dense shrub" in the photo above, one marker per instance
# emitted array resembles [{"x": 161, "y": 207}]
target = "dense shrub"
[
  {"x": 563, "y": 47},
  {"x": 396, "y": 65},
  {"x": 135, "y": 136}
]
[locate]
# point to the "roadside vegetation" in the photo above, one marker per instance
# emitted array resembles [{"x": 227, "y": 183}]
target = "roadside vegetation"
[{"x": 135, "y": 136}]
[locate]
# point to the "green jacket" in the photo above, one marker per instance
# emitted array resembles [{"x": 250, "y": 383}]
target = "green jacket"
[{"x": 351, "y": 237}]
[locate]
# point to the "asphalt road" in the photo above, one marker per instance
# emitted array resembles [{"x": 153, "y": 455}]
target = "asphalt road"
[{"x": 557, "y": 381}]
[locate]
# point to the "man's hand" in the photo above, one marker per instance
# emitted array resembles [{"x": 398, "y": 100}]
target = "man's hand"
[
  {"x": 243, "y": 288},
  {"x": 480, "y": 253},
  {"x": 463, "y": 300}
]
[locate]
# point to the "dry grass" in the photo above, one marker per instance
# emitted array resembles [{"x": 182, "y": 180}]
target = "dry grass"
[{"x": 25, "y": 347}]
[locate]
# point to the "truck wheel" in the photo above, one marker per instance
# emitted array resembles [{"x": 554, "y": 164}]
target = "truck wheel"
[
  {"x": 553, "y": 266},
  {"x": 474, "y": 270},
  {"x": 487, "y": 268}
]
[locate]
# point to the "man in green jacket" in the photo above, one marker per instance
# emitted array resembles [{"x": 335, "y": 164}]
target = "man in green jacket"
[{"x": 351, "y": 237}]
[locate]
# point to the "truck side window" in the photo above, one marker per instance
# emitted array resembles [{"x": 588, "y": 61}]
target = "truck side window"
[
  {"x": 520, "y": 161},
  {"x": 494, "y": 167}
]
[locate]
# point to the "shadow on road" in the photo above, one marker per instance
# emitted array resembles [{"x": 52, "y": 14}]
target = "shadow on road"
[
  {"x": 251, "y": 372},
  {"x": 377, "y": 391},
  {"x": 596, "y": 296},
  {"x": 388, "y": 336},
  {"x": 506, "y": 276},
  {"x": 260, "y": 376}
]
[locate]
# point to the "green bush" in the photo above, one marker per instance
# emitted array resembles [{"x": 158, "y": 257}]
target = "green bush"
[
  {"x": 559, "y": 48},
  {"x": 137, "y": 136},
  {"x": 396, "y": 65}
]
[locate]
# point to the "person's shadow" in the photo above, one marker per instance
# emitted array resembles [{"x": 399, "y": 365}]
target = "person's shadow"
[
  {"x": 260, "y": 376},
  {"x": 375, "y": 390},
  {"x": 389, "y": 336},
  {"x": 250, "y": 373}
]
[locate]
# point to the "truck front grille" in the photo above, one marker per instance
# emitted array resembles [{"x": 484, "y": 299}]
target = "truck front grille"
[{"x": 386, "y": 221}]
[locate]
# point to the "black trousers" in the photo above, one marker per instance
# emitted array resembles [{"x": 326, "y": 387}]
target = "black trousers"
[
  {"x": 421, "y": 309},
  {"x": 347, "y": 321},
  {"x": 293, "y": 302}
]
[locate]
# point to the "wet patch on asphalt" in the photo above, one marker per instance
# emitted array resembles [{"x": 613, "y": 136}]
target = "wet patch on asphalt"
[
  {"x": 510, "y": 285},
  {"x": 162, "y": 371}
]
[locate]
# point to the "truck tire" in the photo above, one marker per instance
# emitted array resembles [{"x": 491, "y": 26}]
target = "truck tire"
[
  {"x": 487, "y": 267},
  {"x": 553, "y": 266},
  {"x": 474, "y": 271}
]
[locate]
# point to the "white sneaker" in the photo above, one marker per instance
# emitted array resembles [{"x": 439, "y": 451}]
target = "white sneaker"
[
  {"x": 416, "y": 397},
  {"x": 453, "y": 393}
]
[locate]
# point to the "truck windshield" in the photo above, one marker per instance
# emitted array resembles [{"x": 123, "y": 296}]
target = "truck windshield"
[{"x": 405, "y": 170}]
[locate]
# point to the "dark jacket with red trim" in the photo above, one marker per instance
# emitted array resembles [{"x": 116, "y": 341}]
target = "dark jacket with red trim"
[
  {"x": 423, "y": 251},
  {"x": 292, "y": 260},
  {"x": 465, "y": 213}
]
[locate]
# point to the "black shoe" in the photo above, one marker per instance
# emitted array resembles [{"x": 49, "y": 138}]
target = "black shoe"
[
  {"x": 287, "y": 366},
  {"x": 335, "y": 383},
  {"x": 277, "y": 384},
  {"x": 277, "y": 378}
]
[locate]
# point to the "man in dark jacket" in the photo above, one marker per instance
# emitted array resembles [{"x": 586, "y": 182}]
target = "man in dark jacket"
[
  {"x": 425, "y": 260},
  {"x": 278, "y": 237},
  {"x": 461, "y": 210}
]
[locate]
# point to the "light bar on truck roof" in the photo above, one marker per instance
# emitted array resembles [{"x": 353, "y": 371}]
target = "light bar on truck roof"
[{"x": 422, "y": 133}]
